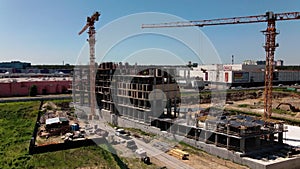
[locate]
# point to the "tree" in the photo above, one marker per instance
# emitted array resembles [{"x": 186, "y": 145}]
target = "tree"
[{"x": 33, "y": 91}]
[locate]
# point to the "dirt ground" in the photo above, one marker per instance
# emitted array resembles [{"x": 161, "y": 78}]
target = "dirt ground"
[
  {"x": 207, "y": 162},
  {"x": 257, "y": 106},
  {"x": 201, "y": 160}
]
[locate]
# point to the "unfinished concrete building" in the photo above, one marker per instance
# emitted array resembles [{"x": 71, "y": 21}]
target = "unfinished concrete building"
[
  {"x": 137, "y": 92},
  {"x": 81, "y": 85},
  {"x": 234, "y": 132},
  {"x": 151, "y": 95}
]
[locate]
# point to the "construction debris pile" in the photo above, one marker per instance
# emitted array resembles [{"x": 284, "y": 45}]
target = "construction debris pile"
[{"x": 58, "y": 121}]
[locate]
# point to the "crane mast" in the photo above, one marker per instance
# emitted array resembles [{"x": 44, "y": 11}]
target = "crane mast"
[
  {"x": 270, "y": 41},
  {"x": 91, "y": 32}
]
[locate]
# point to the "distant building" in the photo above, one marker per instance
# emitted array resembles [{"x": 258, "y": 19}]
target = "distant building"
[
  {"x": 279, "y": 63},
  {"x": 15, "y": 65},
  {"x": 231, "y": 75},
  {"x": 21, "y": 86},
  {"x": 262, "y": 62},
  {"x": 250, "y": 62}
]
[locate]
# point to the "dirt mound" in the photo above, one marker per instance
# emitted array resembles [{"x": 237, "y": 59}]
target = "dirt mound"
[{"x": 49, "y": 106}]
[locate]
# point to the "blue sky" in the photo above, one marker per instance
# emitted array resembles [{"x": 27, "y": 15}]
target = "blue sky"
[{"x": 45, "y": 32}]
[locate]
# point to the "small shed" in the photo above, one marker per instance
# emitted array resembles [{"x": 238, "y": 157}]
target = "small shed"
[{"x": 56, "y": 122}]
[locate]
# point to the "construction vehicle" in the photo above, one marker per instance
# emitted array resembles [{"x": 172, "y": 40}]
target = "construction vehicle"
[
  {"x": 292, "y": 108},
  {"x": 179, "y": 153},
  {"x": 270, "y": 41},
  {"x": 142, "y": 154}
]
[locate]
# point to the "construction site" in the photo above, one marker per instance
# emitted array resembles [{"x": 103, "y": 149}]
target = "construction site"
[
  {"x": 130, "y": 97},
  {"x": 150, "y": 98}
]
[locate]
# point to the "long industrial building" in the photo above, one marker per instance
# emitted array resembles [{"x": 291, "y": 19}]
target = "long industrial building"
[
  {"x": 246, "y": 75},
  {"x": 11, "y": 87}
]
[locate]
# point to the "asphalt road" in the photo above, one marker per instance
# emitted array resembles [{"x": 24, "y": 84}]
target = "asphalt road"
[{"x": 168, "y": 160}]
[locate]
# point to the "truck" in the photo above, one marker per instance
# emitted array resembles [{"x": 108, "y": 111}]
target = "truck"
[{"x": 179, "y": 153}]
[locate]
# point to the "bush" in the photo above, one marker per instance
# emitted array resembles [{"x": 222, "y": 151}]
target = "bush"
[
  {"x": 33, "y": 91},
  {"x": 243, "y": 105}
]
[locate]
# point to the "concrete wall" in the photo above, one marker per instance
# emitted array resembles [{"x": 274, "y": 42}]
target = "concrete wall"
[{"x": 124, "y": 122}]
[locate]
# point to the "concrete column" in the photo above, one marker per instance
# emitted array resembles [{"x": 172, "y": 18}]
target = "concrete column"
[
  {"x": 175, "y": 107},
  {"x": 186, "y": 131},
  {"x": 205, "y": 136},
  {"x": 124, "y": 110},
  {"x": 169, "y": 107},
  {"x": 228, "y": 143},
  {"x": 242, "y": 145},
  {"x": 216, "y": 139},
  {"x": 153, "y": 107},
  {"x": 228, "y": 129},
  {"x": 280, "y": 134},
  {"x": 228, "y": 138}
]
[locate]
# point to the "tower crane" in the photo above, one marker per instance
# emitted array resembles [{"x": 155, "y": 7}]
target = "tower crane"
[
  {"x": 270, "y": 43},
  {"x": 90, "y": 24}
]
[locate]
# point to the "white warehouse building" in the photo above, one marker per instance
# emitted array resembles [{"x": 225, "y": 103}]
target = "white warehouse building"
[{"x": 239, "y": 75}]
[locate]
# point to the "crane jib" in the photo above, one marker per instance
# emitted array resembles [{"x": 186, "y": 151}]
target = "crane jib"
[{"x": 226, "y": 21}]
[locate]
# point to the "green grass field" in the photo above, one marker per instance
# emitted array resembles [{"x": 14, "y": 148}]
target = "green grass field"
[{"x": 16, "y": 126}]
